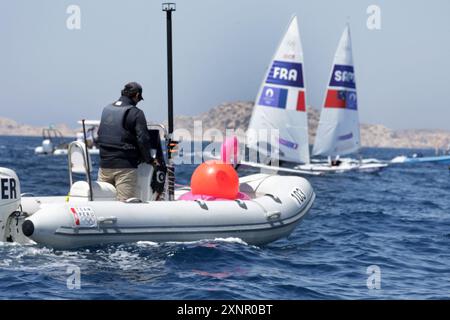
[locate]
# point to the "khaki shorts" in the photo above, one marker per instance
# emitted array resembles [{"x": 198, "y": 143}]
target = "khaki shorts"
[{"x": 125, "y": 181}]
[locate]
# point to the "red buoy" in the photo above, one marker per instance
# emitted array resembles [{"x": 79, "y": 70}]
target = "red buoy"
[{"x": 215, "y": 178}]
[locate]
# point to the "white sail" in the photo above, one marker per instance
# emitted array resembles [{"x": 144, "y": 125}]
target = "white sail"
[
  {"x": 280, "y": 104},
  {"x": 338, "y": 130}
]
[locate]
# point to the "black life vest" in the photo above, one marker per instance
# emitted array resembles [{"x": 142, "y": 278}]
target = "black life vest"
[{"x": 111, "y": 132}]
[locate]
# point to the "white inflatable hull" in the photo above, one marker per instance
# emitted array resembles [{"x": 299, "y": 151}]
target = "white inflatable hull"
[{"x": 277, "y": 205}]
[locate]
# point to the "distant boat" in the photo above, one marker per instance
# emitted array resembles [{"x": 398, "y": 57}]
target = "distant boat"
[
  {"x": 417, "y": 158},
  {"x": 52, "y": 139},
  {"x": 53, "y": 142},
  {"x": 281, "y": 105}
]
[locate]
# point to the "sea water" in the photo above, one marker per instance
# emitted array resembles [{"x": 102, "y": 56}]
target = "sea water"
[{"x": 368, "y": 236}]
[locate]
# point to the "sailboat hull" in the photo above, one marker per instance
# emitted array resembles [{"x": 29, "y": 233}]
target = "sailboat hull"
[{"x": 343, "y": 167}]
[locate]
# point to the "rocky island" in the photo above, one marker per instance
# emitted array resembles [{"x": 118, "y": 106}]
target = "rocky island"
[{"x": 236, "y": 115}]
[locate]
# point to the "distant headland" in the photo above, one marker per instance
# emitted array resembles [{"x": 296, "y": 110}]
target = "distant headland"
[{"x": 236, "y": 115}]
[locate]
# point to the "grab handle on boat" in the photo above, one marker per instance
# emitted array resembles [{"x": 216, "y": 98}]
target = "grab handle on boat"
[
  {"x": 110, "y": 220},
  {"x": 202, "y": 204},
  {"x": 273, "y": 215},
  {"x": 241, "y": 203},
  {"x": 275, "y": 198}
]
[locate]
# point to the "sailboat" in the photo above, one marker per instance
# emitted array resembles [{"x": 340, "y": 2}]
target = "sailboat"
[
  {"x": 280, "y": 107},
  {"x": 338, "y": 131},
  {"x": 419, "y": 158}
]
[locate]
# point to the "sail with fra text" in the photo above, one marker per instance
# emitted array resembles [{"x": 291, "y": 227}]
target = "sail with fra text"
[{"x": 280, "y": 103}]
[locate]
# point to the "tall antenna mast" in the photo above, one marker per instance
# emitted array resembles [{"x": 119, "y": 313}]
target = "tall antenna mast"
[{"x": 169, "y": 8}]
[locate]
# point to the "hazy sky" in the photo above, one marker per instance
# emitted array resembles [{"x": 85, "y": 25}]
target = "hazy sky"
[{"x": 50, "y": 74}]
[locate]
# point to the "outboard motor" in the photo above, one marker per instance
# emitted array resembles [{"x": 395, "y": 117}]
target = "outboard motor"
[{"x": 9, "y": 204}]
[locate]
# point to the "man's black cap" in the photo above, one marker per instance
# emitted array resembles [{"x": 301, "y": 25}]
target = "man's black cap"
[{"x": 131, "y": 89}]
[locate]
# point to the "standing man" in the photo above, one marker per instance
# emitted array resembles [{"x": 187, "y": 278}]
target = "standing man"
[{"x": 124, "y": 142}]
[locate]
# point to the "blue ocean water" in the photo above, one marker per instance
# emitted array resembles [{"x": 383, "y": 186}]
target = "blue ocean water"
[{"x": 398, "y": 220}]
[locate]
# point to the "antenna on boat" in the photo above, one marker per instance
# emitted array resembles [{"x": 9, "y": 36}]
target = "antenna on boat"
[
  {"x": 88, "y": 162},
  {"x": 168, "y": 8}
]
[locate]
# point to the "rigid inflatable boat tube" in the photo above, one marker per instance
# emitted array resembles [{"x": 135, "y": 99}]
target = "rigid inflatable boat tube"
[{"x": 281, "y": 204}]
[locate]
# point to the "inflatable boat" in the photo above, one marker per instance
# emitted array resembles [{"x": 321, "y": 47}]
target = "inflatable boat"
[
  {"x": 90, "y": 215},
  {"x": 53, "y": 142}
]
